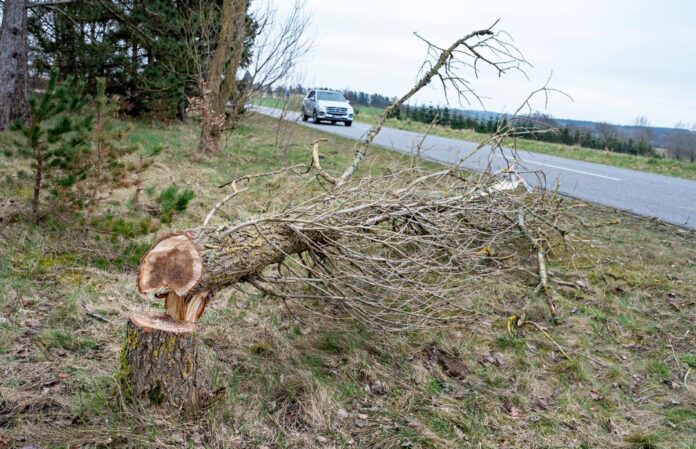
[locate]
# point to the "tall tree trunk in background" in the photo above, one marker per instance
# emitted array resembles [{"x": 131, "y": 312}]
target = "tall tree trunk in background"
[
  {"x": 222, "y": 71},
  {"x": 14, "y": 67}
]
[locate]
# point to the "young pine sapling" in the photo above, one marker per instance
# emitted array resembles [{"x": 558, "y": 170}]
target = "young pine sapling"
[{"x": 56, "y": 137}]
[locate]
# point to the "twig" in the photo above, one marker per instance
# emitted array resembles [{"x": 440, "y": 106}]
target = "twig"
[
  {"x": 235, "y": 192},
  {"x": 275, "y": 293},
  {"x": 317, "y": 165},
  {"x": 261, "y": 175},
  {"x": 520, "y": 322},
  {"x": 97, "y": 316},
  {"x": 419, "y": 146},
  {"x": 541, "y": 261}
]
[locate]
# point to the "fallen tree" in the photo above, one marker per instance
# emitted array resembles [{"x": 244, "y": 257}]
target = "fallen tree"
[
  {"x": 369, "y": 245},
  {"x": 399, "y": 251}
]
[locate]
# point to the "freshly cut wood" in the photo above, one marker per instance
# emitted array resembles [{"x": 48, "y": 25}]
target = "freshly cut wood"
[
  {"x": 173, "y": 264},
  {"x": 159, "y": 362},
  {"x": 190, "y": 267},
  {"x": 189, "y": 311}
]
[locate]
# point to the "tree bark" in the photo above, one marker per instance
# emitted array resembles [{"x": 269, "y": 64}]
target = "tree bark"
[
  {"x": 211, "y": 137},
  {"x": 222, "y": 71},
  {"x": 194, "y": 265},
  {"x": 14, "y": 66},
  {"x": 38, "y": 178},
  {"x": 159, "y": 362}
]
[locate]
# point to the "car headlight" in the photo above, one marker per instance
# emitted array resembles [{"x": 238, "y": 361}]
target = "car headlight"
[
  {"x": 350, "y": 110},
  {"x": 322, "y": 108}
]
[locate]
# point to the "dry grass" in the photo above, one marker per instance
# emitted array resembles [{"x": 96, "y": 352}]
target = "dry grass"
[{"x": 293, "y": 379}]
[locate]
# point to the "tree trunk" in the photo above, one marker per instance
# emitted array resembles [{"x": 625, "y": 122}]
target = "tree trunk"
[
  {"x": 14, "y": 68},
  {"x": 211, "y": 137},
  {"x": 182, "y": 106},
  {"x": 160, "y": 364},
  {"x": 194, "y": 265},
  {"x": 222, "y": 71},
  {"x": 38, "y": 179}
]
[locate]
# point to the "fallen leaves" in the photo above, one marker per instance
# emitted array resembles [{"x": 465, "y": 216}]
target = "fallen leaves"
[
  {"x": 453, "y": 367},
  {"x": 361, "y": 420},
  {"x": 493, "y": 358}
]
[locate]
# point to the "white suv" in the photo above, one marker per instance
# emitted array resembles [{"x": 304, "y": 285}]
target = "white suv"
[{"x": 327, "y": 105}]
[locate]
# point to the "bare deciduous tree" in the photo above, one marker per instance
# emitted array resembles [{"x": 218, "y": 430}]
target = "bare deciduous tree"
[
  {"x": 606, "y": 131},
  {"x": 682, "y": 142},
  {"x": 642, "y": 130},
  {"x": 280, "y": 44},
  {"x": 224, "y": 40},
  {"x": 222, "y": 35}
]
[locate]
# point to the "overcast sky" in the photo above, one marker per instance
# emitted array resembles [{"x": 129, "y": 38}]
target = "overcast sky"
[{"x": 617, "y": 58}]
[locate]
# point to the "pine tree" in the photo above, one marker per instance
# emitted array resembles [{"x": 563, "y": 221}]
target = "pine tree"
[
  {"x": 56, "y": 137},
  {"x": 107, "y": 150},
  {"x": 429, "y": 115},
  {"x": 456, "y": 121},
  {"x": 141, "y": 47},
  {"x": 445, "y": 117}
]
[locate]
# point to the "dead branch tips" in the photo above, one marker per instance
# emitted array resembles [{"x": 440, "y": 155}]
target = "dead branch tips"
[{"x": 485, "y": 46}]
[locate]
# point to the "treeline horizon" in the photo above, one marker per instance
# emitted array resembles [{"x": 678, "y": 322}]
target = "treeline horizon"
[{"x": 540, "y": 127}]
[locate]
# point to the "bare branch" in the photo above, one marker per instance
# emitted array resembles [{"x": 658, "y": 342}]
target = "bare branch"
[
  {"x": 317, "y": 165},
  {"x": 235, "y": 192},
  {"x": 482, "y": 45}
]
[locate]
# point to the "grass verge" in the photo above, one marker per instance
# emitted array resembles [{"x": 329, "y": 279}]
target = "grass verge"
[{"x": 627, "y": 307}]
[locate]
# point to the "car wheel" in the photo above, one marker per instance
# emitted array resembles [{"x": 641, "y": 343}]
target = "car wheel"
[
  {"x": 314, "y": 117},
  {"x": 304, "y": 116},
  {"x": 348, "y": 123}
]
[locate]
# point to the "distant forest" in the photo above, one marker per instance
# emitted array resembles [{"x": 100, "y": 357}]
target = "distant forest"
[
  {"x": 539, "y": 127},
  {"x": 640, "y": 138}
]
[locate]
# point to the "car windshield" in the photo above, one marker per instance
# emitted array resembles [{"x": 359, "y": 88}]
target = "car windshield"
[{"x": 330, "y": 96}]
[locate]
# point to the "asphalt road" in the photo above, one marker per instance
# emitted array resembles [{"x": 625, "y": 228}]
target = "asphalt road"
[{"x": 670, "y": 199}]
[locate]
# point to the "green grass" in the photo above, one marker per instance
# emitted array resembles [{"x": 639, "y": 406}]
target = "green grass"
[
  {"x": 293, "y": 376},
  {"x": 292, "y": 104}
]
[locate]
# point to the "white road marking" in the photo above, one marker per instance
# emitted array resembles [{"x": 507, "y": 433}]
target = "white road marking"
[
  {"x": 685, "y": 207},
  {"x": 543, "y": 164}
]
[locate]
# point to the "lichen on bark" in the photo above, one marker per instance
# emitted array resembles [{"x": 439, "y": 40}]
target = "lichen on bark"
[{"x": 159, "y": 363}]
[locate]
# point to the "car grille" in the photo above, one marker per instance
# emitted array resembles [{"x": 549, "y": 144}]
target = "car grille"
[{"x": 336, "y": 111}]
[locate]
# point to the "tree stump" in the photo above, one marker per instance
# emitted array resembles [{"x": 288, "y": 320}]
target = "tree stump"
[{"x": 159, "y": 362}]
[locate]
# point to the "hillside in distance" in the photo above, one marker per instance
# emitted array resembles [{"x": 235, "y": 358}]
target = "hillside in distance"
[{"x": 659, "y": 135}]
